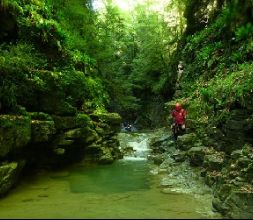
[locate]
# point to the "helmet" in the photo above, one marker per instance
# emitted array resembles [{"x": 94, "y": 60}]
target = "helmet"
[{"x": 178, "y": 106}]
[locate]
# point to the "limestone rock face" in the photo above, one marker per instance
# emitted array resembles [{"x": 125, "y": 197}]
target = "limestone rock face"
[{"x": 44, "y": 140}]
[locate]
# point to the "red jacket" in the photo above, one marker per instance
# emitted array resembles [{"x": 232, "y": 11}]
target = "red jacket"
[{"x": 179, "y": 116}]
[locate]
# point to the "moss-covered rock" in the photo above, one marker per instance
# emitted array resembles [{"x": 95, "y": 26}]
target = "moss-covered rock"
[
  {"x": 83, "y": 135},
  {"x": 15, "y": 132},
  {"x": 42, "y": 131},
  {"x": 64, "y": 122},
  {"x": 185, "y": 142},
  {"x": 196, "y": 155},
  {"x": 83, "y": 120},
  {"x": 80, "y": 120},
  {"x": 213, "y": 162},
  {"x": 109, "y": 118},
  {"x": 240, "y": 203},
  {"x": 41, "y": 116},
  {"x": 9, "y": 173},
  {"x": 106, "y": 156}
]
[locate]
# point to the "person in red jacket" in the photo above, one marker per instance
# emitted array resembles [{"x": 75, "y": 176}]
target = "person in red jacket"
[{"x": 178, "y": 115}]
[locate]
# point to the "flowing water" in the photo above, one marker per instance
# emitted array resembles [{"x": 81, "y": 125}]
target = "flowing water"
[{"x": 124, "y": 189}]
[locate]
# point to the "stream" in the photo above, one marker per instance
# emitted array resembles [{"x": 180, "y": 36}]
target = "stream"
[{"x": 128, "y": 188}]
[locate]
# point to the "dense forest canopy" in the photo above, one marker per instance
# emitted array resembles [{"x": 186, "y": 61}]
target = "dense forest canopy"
[{"x": 118, "y": 55}]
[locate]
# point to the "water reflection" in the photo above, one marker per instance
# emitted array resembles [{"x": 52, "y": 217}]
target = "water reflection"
[{"x": 122, "y": 176}]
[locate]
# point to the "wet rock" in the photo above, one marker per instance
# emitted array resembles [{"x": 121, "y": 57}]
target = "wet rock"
[
  {"x": 128, "y": 151},
  {"x": 106, "y": 156},
  {"x": 158, "y": 141}
]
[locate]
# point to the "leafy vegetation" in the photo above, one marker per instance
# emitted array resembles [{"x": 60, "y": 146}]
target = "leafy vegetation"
[{"x": 92, "y": 60}]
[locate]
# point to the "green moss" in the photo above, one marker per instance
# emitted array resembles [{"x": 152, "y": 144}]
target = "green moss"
[
  {"x": 8, "y": 121},
  {"x": 83, "y": 120},
  {"x": 40, "y": 116}
]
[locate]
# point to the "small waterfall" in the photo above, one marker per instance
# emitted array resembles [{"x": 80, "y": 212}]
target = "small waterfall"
[{"x": 134, "y": 145}]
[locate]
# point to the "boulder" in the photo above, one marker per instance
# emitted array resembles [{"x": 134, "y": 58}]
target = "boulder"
[
  {"x": 157, "y": 159},
  {"x": 241, "y": 205},
  {"x": 9, "y": 173},
  {"x": 82, "y": 135},
  {"x": 112, "y": 119},
  {"x": 196, "y": 155},
  {"x": 179, "y": 156},
  {"x": 106, "y": 156},
  {"x": 213, "y": 162},
  {"x": 185, "y": 142}
]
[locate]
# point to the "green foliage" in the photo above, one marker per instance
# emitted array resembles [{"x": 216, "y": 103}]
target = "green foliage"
[
  {"x": 15, "y": 63},
  {"x": 59, "y": 31},
  {"x": 244, "y": 32},
  {"x": 95, "y": 98},
  {"x": 236, "y": 87},
  {"x": 7, "y": 96},
  {"x": 83, "y": 120},
  {"x": 20, "y": 58}
]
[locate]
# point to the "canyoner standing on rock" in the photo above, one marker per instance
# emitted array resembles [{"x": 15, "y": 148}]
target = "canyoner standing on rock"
[{"x": 178, "y": 126}]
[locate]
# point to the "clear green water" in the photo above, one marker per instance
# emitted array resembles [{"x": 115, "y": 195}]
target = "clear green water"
[
  {"x": 124, "y": 190},
  {"x": 120, "y": 177}
]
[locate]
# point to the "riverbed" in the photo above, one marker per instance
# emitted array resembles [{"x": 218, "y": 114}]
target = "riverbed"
[{"x": 125, "y": 189}]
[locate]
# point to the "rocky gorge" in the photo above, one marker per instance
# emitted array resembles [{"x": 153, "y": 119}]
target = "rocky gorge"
[
  {"x": 229, "y": 175},
  {"x": 70, "y": 73},
  {"x": 40, "y": 140}
]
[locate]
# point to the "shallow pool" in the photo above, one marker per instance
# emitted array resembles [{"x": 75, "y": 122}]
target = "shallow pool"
[{"x": 125, "y": 189}]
